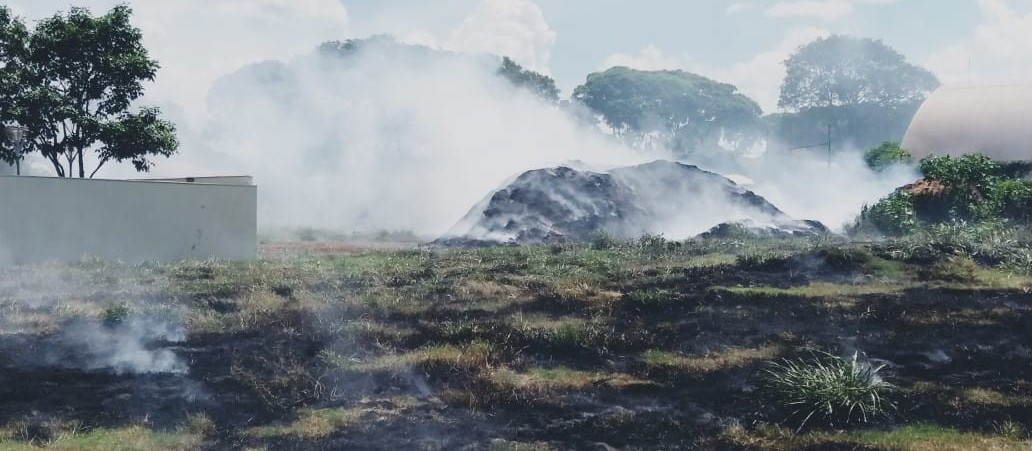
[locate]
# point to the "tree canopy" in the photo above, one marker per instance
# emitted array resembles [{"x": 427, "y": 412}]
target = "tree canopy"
[
  {"x": 686, "y": 110},
  {"x": 844, "y": 70},
  {"x": 542, "y": 85},
  {"x": 75, "y": 79}
]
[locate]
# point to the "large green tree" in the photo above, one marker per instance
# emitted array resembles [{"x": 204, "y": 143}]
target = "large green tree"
[
  {"x": 13, "y": 37},
  {"x": 76, "y": 79},
  {"x": 844, "y": 70},
  {"x": 685, "y": 111},
  {"x": 866, "y": 91}
]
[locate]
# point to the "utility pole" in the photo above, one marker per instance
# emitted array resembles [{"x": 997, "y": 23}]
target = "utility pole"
[
  {"x": 16, "y": 135},
  {"x": 829, "y": 146}
]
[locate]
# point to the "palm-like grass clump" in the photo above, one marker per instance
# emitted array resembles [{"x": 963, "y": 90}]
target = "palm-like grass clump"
[{"x": 829, "y": 388}]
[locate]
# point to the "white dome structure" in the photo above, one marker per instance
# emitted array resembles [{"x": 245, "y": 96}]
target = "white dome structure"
[{"x": 994, "y": 120}]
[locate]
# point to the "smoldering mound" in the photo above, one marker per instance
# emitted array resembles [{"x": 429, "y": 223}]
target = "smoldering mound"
[{"x": 567, "y": 204}]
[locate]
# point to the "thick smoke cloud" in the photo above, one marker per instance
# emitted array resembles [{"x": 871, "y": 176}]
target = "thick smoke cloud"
[{"x": 389, "y": 138}]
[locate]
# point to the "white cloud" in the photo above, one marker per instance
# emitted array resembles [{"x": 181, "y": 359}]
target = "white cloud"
[
  {"x": 758, "y": 77},
  {"x": 740, "y": 7},
  {"x": 649, "y": 58},
  {"x": 1000, "y": 49},
  {"x": 828, "y": 10},
  {"x": 513, "y": 28},
  {"x": 821, "y": 9},
  {"x": 198, "y": 41}
]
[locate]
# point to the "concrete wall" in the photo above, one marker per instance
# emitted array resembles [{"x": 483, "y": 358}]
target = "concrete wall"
[{"x": 45, "y": 218}]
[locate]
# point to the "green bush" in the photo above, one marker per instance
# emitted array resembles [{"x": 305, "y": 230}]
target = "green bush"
[
  {"x": 894, "y": 215},
  {"x": 887, "y": 154},
  {"x": 1012, "y": 200},
  {"x": 969, "y": 180},
  {"x": 827, "y": 388},
  {"x": 967, "y": 189},
  {"x": 115, "y": 314},
  {"x": 602, "y": 240}
]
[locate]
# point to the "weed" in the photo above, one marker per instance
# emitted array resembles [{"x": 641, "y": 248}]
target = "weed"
[
  {"x": 828, "y": 388},
  {"x": 115, "y": 314},
  {"x": 1010, "y": 429}
]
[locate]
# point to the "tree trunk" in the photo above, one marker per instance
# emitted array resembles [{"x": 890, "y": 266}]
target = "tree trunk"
[{"x": 82, "y": 171}]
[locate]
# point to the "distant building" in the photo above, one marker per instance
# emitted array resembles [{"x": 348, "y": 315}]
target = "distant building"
[
  {"x": 50, "y": 218},
  {"x": 995, "y": 120}
]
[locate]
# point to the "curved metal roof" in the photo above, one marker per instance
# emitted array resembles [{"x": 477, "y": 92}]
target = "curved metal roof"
[{"x": 995, "y": 120}]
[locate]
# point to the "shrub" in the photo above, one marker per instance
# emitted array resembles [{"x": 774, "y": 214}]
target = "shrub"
[
  {"x": 115, "y": 314},
  {"x": 887, "y": 154},
  {"x": 893, "y": 215},
  {"x": 1012, "y": 200},
  {"x": 969, "y": 180},
  {"x": 602, "y": 240},
  {"x": 827, "y": 388}
]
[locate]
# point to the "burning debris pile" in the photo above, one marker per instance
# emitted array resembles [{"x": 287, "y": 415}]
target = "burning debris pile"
[{"x": 567, "y": 204}]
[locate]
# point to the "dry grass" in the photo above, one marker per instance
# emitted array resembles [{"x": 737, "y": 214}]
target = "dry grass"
[
  {"x": 130, "y": 438},
  {"x": 823, "y": 290},
  {"x": 470, "y": 357},
  {"x": 906, "y": 438},
  {"x": 545, "y": 381},
  {"x": 710, "y": 362}
]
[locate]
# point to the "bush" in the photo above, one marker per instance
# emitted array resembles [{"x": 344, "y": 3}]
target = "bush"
[
  {"x": 969, "y": 180},
  {"x": 887, "y": 154},
  {"x": 1012, "y": 200},
  {"x": 602, "y": 241},
  {"x": 827, "y": 388},
  {"x": 115, "y": 314},
  {"x": 894, "y": 215},
  {"x": 968, "y": 189}
]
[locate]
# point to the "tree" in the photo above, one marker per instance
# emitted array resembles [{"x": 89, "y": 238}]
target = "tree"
[
  {"x": 843, "y": 70},
  {"x": 13, "y": 36},
  {"x": 685, "y": 110},
  {"x": 77, "y": 79},
  {"x": 863, "y": 88},
  {"x": 542, "y": 85}
]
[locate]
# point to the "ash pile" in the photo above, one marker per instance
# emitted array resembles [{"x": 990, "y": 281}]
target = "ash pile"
[{"x": 564, "y": 204}]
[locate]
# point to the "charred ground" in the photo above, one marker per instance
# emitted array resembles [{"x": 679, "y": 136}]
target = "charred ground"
[{"x": 644, "y": 345}]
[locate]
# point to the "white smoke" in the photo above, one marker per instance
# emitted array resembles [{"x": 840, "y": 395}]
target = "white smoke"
[{"x": 389, "y": 138}]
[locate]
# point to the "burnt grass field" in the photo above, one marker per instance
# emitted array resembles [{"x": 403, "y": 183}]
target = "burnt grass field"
[{"x": 644, "y": 345}]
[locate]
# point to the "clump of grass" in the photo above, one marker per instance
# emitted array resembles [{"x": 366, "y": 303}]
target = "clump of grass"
[
  {"x": 646, "y": 298},
  {"x": 828, "y": 388},
  {"x": 116, "y": 314},
  {"x": 1010, "y": 429},
  {"x": 959, "y": 269}
]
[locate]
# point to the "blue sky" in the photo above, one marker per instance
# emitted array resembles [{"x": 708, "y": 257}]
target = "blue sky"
[{"x": 741, "y": 41}]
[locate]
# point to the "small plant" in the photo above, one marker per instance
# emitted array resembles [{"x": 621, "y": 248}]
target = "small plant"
[
  {"x": 646, "y": 298},
  {"x": 828, "y": 388},
  {"x": 1010, "y": 429},
  {"x": 652, "y": 244},
  {"x": 602, "y": 240},
  {"x": 115, "y": 314}
]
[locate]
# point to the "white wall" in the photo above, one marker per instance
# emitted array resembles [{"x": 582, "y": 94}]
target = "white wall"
[{"x": 45, "y": 218}]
